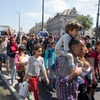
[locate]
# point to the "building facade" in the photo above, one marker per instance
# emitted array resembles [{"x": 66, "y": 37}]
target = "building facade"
[
  {"x": 37, "y": 28},
  {"x": 57, "y": 24}
]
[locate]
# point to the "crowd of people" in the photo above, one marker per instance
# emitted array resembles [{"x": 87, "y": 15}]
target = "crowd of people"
[{"x": 72, "y": 60}]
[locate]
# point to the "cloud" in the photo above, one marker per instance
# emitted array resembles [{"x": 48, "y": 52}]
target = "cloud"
[
  {"x": 37, "y": 15},
  {"x": 85, "y": 0},
  {"x": 56, "y": 5},
  {"x": 51, "y": 7},
  {"x": 82, "y": 6},
  {"x": 88, "y": 7}
]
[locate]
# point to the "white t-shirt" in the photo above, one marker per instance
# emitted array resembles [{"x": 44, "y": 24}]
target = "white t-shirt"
[
  {"x": 35, "y": 65},
  {"x": 63, "y": 43}
]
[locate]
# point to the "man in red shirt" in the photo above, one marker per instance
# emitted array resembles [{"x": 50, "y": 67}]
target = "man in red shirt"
[{"x": 93, "y": 58}]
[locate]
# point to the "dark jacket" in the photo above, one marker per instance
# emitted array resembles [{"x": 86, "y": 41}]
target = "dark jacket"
[{"x": 9, "y": 52}]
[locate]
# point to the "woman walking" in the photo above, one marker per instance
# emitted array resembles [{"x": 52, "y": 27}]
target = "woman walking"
[{"x": 35, "y": 64}]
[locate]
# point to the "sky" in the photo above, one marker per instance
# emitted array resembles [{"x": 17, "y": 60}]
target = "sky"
[{"x": 31, "y": 11}]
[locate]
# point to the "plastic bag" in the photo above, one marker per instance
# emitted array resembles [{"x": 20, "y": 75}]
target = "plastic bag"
[
  {"x": 23, "y": 90},
  {"x": 31, "y": 96}
]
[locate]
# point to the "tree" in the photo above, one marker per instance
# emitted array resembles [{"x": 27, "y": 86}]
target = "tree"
[{"x": 86, "y": 21}]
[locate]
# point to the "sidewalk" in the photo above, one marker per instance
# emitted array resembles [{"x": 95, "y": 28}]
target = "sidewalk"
[
  {"x": 97, "y": 94},
  {"x": 15, "y": 88},
  {"x": 7, "y": 80},
  {"x": 5, "y": 93}
]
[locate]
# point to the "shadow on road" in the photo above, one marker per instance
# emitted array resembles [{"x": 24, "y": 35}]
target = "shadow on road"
[
  {"x": 98, "y": 89},
  {"x": 45, "y": 93}
]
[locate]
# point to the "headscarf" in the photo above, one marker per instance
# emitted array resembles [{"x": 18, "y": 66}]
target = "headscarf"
[{"x": 13, "y": 46}]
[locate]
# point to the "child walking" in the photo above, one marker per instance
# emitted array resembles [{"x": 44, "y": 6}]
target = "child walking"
[
  {"x": 20, "y": 64},
  {"x": 34, "y": 65}
]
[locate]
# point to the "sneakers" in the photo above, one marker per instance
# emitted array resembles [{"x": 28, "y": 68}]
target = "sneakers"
[
  {"x": 17, "y": 78},
  {"x": 51, "y": 89}
]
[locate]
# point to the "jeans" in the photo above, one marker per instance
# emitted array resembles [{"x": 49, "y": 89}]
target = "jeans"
[
  {"x": 13, "y": 74},
  {"x": 3, "y": 57}
]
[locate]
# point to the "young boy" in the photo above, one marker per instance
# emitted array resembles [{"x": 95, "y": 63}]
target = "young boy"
[
  {"x": 72, "y": 29},
  {"x": 62, "y": 47}
]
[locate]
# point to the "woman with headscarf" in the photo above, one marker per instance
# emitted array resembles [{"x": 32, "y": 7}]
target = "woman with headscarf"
[{"x": 12, "y": 49}]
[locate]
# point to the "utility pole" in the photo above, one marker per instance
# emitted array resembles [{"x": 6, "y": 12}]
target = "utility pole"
[
  {"x": 42, "y": 14},
  {"x": 19, "y": 20},
  {"x": 97, "y": 33},
  {"x": 36, "y": 25}
]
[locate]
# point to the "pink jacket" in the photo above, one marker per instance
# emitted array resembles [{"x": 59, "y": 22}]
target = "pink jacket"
[{"x": 17, "y": 59}]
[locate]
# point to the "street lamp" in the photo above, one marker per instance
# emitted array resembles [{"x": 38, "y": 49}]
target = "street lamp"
[
  {"x": 42, "y": 14},
  {"x": 19, "y": 19},
  {"x": 97, "y": 20},
  {"x": 36, "y": 26}
]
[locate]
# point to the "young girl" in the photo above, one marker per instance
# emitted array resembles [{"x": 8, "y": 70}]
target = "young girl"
[
  {"x": 84, "y": 63},
  {"x": 20, "y": 63},
  {"x": 86, "y": 86},
  {"x": 34, "y": 65}
]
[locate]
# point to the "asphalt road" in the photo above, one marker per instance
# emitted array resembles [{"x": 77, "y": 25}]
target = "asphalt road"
[
  {"x": 44, "y": 93},
  {"x": 97, "y": 94}
]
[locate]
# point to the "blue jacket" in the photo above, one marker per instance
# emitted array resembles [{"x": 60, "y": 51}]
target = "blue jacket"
[{"x": 49, "y": 58}]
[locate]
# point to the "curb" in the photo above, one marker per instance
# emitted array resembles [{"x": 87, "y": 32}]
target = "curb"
[{"x": 11, "y": 88}]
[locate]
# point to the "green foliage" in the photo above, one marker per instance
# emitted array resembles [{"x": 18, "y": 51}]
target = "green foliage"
[{"x": 86, "y": 21}]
